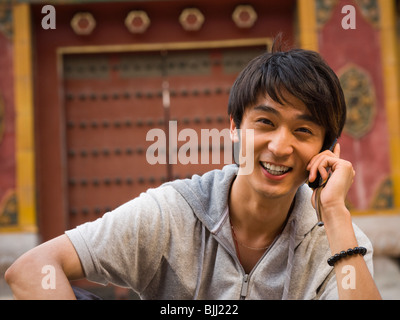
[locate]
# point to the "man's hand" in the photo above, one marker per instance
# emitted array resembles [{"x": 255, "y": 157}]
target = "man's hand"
[
  {"x": 340, "y": 173},
  {"x": 337, "y": 221}
]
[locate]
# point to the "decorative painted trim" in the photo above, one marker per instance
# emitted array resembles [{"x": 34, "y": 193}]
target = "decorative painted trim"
[
  {"x": 6, "y": 18},
  {"x": 244, "y": 16},
  {"x": 25, "y": 148},
  {"x": 165, "y": 46},
  {"x": 370, "y": 11},
  {"x": 324, "y": 10},
  {"x": 360, "y": 99},
  {"x": 9, "y": 210},
  {"x": 83, "y": 23},
  {"x": 137, "y": 21},
  {"x": 307, "y": 24},
  {"x": 191, "y": 19},
  {"x": 390, "y": 67},
  {"x": 384, "y": 196}
]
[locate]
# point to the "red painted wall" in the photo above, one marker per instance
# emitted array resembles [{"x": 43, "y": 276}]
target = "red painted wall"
[
  {"x": 7, "y": 139},
  {"x": 370, "y": 154}
]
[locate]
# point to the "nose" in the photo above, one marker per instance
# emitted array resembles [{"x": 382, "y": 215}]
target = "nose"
[{"x": 280, "y": 143}]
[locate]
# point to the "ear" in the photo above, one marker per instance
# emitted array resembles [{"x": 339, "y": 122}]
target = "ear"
[{"x": 233, "y": 130}]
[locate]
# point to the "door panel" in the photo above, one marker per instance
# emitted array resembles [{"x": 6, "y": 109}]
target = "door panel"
[
  {"x": 113, "y": 100},
  {"x": 106, "y": 123}
]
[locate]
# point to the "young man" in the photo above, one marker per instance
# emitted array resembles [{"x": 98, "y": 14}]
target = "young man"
[{"x": 227, "y": 235}]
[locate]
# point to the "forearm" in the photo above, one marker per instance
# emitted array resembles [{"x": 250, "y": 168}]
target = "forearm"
[
  {"x": 354, "y": 281},
  {"x": 44, "y": 272},
  {"x": 39, "y": 281}
]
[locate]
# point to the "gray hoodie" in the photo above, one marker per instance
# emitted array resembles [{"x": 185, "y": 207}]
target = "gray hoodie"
[{"x": 175, "y": 242}]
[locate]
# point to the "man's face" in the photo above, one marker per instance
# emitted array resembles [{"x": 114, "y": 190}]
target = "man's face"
[{"x": 285, "y": 140}]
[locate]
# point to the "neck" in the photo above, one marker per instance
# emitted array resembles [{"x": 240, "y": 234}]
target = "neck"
[{"x": 258, "y": 219}]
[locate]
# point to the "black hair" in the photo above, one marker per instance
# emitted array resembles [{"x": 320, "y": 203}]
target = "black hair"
[{"x": 301, "y": 73}]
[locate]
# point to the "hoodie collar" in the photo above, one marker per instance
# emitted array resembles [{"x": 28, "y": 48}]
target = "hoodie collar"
[{"x": 208, "y": 195}]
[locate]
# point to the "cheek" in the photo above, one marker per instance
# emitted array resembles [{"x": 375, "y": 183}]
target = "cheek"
[
  {"x": 302, "y": 172},
  {"x": 248, "y": 142},
  {"x": 255, "y": 141},
  {"x": 305, "y": 160}
]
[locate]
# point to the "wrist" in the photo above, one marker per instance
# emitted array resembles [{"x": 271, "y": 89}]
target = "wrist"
[
  {"x": 339, "y": 228},
  {"x": 336, "y": 216}
]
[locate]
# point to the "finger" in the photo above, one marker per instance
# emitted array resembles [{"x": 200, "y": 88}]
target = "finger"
[
  {"x": 314, "y": 172},
  {"x": 323, "y": 168},
  {"x": 336, "y": 150},
  {"x": 312, "y": 167},
  {"x": 313, "y": 199},
  {"x": 321, "y": 164},
  {"x": 312, "y": 162},
  {"x": 318, "y": 156}
]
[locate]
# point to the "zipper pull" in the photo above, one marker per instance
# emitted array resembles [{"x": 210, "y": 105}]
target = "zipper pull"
[{"x": 245, "y": 285}]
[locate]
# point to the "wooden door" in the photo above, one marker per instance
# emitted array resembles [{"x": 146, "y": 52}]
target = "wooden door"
[{"x": 113, "y": 100}]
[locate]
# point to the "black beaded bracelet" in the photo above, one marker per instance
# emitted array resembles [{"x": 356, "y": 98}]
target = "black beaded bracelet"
[{"x": 335, "y": 258}]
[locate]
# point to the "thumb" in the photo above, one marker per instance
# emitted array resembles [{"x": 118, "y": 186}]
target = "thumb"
[{"x": 313, "y": 198}]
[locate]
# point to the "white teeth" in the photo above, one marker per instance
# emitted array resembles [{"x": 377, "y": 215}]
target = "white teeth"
[{"x": 273, "y": 169}]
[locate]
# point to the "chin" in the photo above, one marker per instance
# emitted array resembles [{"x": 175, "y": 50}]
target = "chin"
[{"x": 274, "y": 189}]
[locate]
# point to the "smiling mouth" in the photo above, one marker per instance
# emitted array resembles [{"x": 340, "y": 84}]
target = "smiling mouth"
[{"x": 274, "y": 169}]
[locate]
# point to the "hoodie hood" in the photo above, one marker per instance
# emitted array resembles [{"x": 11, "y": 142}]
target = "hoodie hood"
[
  {"x": 208, "y": 197},
  {"x": 208, "y": 194}
]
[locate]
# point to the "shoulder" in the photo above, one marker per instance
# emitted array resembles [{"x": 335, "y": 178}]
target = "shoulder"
[{"x": 207, "y": 195}]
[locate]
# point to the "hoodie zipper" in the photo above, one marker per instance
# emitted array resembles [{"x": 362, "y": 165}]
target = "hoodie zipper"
[
  {"x": 245, "y": 287},
  {"x": 246, "y": 277}
]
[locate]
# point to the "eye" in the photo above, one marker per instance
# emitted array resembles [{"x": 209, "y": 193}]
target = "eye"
[
  {"x": 265, "y": 121},
  {"x": 304, "y": 130}
]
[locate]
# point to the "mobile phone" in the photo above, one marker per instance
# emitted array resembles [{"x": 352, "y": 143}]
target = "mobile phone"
[{"x": 318, "y": 180}]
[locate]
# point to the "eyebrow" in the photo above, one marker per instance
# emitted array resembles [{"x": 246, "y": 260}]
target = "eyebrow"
[{"x": 304, "y": 116}]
